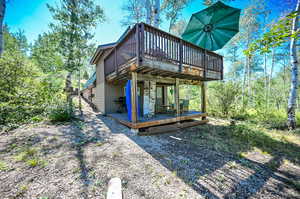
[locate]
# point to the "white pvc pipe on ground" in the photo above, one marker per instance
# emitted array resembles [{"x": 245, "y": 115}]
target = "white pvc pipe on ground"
[{"x": 114, "y": 190}]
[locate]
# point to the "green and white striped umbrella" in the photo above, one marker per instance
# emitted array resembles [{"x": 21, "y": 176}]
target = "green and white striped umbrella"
[{"x": 213, "y": 27}]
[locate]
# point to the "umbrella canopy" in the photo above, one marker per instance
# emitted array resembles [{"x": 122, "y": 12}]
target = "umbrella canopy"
[{"x": 213, "y": 27}]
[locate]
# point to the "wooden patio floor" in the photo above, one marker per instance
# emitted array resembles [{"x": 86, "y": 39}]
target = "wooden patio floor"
[{"x": 158, "y": 119}]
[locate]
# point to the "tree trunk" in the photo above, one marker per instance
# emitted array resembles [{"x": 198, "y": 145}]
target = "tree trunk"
[
  {"x": 291, "y": 121},
  {"x": 271, "y": 76},
  {"x": 79, "y": 96},
  {"x": 266, "y": 81},
  {"x": 2, "y": 13},
  {"x": 148, "y": 12},
  {"x": 69, "y": 89},
  {"x": 156, "y": 13},
  {"x": 244, "y": 83}
]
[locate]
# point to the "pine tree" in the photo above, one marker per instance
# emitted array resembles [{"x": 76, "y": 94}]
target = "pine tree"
[{"x": 75, "y": 20}]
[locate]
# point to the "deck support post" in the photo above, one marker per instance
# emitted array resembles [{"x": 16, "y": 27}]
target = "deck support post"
[
  {"x": 177, "y": 97},
  {"x": 134, "y": 97},
  {"x": 203, "y": 99}
]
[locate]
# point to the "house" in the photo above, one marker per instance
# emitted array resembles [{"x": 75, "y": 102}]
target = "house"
[{"x": 157, "y": 63}]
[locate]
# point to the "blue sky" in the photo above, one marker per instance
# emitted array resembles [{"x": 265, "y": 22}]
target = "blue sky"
[{"x": 33, "y": 17}]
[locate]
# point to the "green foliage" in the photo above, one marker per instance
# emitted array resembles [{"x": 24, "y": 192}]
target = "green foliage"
[
  {"x": 45, "y": 52},
  {"x": 25, "y": 90},
  {"x": 223, "y": 97},
  {"x": 74, "y": 22},
  {"x": 60, "y": 113},
  {"x": 276, "y": 36},
  {"x": 3, "y": 166}
]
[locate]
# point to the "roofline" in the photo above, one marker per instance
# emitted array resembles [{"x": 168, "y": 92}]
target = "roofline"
[
  {"x": 100, "y": 50},
  {"x": 103, "y": 47}
]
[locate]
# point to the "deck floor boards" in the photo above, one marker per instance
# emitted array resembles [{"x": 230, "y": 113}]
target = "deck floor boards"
[{"x": 158, "y": 119}]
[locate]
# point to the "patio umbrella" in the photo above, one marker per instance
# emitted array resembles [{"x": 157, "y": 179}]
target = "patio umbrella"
[{"x": 213, "y": 27}]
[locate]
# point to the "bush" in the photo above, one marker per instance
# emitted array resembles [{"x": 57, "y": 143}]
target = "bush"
[
  {"x": 223, "y": 97},
  {"x": 60, "y": 113}
]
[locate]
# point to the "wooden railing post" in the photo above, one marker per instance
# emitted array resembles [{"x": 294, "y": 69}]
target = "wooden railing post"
[
  {"x": 142, "y": 44},
  {"x": 180, "y": 55},
  {"x": 137, "y": 35}
]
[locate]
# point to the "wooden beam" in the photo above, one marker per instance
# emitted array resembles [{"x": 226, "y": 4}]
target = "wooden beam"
[
  {"x": 156, "y": 78},
  {"x": 203, "y": 99},
  {"x": 177, "y": 97},
  {"x": 157, "y": 122},
  {"x": 134, "y": 97}
]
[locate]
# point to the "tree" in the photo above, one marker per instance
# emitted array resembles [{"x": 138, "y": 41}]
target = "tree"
[
  {"x": 173, "y": 10},
  {"x": 295, "y": 64},
  {"x": 156, "y": 11},
  {"x": 135, "y": 10},
  {"x": 285, "y": 30},
  {"x": 2, "y": 14},
  {"x": 178, "y": 28},
  {"x": 45, "y": 52},
  {"x": 75, "y": 20}
]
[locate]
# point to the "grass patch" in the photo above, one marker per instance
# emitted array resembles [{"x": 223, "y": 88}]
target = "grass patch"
[
  {"x": 36, "y": 162},
  {"x": 3, "y": 166},
  {"x": 26, "y": 154},
  {"x": 244, "y": 137},
  {"x": 30, "y": 157}
]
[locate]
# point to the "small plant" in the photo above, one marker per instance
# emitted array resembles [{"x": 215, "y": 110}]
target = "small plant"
[
  {"x": 3, "y": 166},
  {"x": 98, "y": 183},
  {"x": 60, "y": 113},
  {"x": 26, "y": 154},
  {"x": 23, "y": 188},
  {"x": 32, "y": 162},
  {"x": 232, "y": 165}
]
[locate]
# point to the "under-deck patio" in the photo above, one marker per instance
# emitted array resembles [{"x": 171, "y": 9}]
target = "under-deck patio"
[{"x": 158, "y": 119}]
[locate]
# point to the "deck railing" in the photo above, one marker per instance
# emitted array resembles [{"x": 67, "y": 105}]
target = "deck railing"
[{"x": 144, "y": 40}]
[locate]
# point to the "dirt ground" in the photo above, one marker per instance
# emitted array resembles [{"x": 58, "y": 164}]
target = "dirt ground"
[{"x": 76, "y": 160}]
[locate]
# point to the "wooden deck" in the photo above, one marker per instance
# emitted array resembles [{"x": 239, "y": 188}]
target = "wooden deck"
[
  {"x": 147, "y": 50},
  {"x": 158, "y": 119}
]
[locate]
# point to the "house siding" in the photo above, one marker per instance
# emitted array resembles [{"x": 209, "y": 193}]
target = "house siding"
[{"x": 99, "y": 100}]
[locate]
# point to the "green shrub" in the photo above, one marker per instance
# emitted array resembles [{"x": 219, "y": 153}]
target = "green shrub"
[
  {"x": 60, "y": 113},
  {"x": 223, "y": 98}
]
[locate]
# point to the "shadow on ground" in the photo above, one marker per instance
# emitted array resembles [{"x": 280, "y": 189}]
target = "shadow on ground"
[{"x": 211, "y": 159}]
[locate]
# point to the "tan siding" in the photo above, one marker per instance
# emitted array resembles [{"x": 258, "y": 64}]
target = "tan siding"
[
  {"x": 99, "y": 100},
  {"x": 105, "y": 93}
]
